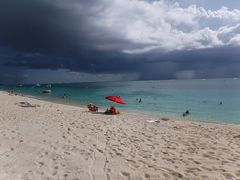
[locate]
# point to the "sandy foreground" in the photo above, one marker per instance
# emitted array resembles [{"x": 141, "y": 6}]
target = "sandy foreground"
[{"x": 54, "y": 141}]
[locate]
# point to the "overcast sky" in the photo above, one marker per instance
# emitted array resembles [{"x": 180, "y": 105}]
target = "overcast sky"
[{"x": 105, "y": 40}]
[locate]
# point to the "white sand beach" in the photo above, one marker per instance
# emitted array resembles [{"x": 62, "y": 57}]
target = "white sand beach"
[{"x": 55, "y": 141}]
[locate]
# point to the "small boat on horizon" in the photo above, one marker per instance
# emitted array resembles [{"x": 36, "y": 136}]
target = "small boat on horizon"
[{"x": 47, "y": 91}]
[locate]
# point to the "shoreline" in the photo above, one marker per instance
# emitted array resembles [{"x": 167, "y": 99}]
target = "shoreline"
[
  {"x": 131, "y": 111},
  {"x": 57, "y": 141}
]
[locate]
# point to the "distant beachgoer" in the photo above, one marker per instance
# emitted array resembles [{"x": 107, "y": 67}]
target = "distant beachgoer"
[
  {"x": 64, "y": 96},
  {"x": 92, "y": 108},
  {"x": 186, "y": 113},
  {"x": 95, "y": 108},
  {"x": 220, "y": 103},
  {"x": 140, "y": 100},
  {"x": 112, "y": 111}
]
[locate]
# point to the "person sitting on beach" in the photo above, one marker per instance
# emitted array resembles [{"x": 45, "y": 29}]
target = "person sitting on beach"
[
  {"x": 92, "y": 108},
  {"x": 112, "y": 111},
  {"x": 95, "y": 108}
]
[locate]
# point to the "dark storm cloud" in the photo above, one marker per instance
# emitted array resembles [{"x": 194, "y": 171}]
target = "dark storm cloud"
[
  {"x": 41, "y": 34},
  {"x": 94, "y": 62},
  {"x": 54, "y": 28},
  {"x": 32, "y": 26},
  {"x": 45, "y": 35},
  {"x": 204, "y": 63}
]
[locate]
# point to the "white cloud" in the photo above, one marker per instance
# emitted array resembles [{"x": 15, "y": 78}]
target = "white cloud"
[
  {"x": 168, "y": 27},
  {"x": 235, "y": 40}
]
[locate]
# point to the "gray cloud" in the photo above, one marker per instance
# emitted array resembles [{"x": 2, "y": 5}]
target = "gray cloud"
[{"x": 142, "y": 39}]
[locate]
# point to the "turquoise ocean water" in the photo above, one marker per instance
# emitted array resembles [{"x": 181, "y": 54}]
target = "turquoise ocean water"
[{"x": 169, "y": 97}]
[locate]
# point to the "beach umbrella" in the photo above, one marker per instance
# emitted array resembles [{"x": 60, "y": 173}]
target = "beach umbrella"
[{"x": 116, "y": 99}]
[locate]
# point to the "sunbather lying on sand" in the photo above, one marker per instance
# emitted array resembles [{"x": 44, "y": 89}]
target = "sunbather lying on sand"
[
  {"x": 27, "y": 104},
  {"x": 92, "y": 108}
]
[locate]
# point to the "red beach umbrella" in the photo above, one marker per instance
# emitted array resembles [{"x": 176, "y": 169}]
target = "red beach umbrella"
[{"x": 116, "y": 99}]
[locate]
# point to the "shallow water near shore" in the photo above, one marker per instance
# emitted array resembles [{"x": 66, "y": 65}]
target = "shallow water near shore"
[{"x": 215, "y": 100}]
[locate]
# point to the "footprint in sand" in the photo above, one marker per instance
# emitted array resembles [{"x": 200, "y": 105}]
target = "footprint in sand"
[
  {"x": 65, "y": 176},
  {"x": 238, "y": 173},
  {"x": 228, "y": 176},
  {"x": 147, "y": 176},
  {"x": 68, "y": 153},
  {"x": 41, "y": 163},
  {"x": 126, "y": 174},
  {"x": 177, "y": 174}
]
